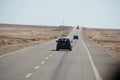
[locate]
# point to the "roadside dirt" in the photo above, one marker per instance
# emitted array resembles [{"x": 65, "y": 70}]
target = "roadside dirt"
[
  {"x": 13, "y": 37},
  {"x": 109, "y": 39}
]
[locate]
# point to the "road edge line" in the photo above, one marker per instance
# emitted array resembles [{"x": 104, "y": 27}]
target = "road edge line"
[
  {"x": 11, "y": 53},
  {"x": 97, "y": 75}
]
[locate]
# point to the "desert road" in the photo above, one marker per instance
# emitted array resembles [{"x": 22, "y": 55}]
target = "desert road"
[{"x": 43, "y": 62}]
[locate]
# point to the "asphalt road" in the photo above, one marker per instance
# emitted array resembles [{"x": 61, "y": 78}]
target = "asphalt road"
[{"x": 43, "y": 62}]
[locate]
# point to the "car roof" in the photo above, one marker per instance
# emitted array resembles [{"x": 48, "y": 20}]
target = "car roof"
[
  {"x": 75, "y": 35},
  {"x": 64, "y": 38}
]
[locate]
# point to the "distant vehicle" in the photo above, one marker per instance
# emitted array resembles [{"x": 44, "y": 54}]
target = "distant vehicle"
[
  {"x": 63, "y": 43},
  {"x": 75, "y": 37},
  {"x": 77, "y": 27}
]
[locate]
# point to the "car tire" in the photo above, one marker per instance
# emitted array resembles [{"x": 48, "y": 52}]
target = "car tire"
[
  {"x": 57, "y": 49},
  {"x": 70, "y": 49}
]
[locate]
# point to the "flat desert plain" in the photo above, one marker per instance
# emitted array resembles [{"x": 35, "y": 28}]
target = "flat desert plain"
[
  {"x": 109, "y": 39},
  {"x": 13, "y": 37}
]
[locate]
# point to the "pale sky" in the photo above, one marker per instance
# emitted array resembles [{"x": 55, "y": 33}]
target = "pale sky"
[{"x": 88, "y": 13}]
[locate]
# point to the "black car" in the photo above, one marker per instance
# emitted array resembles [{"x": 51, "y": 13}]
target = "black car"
[
  {"x": 77, "y": 27},
  {"x": 63, "y": 43},
  {"x": 75, "y": 37}
]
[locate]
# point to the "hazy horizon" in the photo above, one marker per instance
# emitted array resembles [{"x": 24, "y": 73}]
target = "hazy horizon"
[{"x": 87, "y": 13}]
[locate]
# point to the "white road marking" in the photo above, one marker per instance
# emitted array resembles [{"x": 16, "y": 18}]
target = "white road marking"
[
  {"x": 14, "y": 52},
  {"x": 50, "y": 55},
  {"x": 97, "y": 75},
  {"x": 46, "y": 58},
  {"x": 28, "y": 75},
  {"x": 43, "y": 62},
  {"x": 36, "y": 67}
]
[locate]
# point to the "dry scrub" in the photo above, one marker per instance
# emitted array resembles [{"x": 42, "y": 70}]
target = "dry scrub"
[
  {"x": 13, "y": 37},
  {"x": 107, "y": 38}
]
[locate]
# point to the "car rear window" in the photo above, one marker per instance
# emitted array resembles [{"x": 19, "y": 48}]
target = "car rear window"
[{"x": 63, "y": 40}]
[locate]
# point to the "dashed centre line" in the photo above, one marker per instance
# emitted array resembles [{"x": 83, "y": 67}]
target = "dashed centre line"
[
  {"x": 50, "y": 55},
  {"x": 28, "y": 75},
  {"x": 43, "y": 62},
  {"x": 46, "y": 58},
  {"x": 36, "y": 67}
]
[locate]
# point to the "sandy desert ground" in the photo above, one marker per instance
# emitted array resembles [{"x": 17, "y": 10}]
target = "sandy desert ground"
[
  {"x": 13, "y": 37},
  {"x": 109, "y": 39}
]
